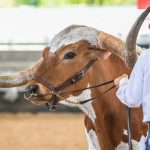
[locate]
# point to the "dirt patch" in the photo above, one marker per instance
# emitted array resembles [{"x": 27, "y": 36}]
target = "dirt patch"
[{"x": 42, "y": 132}]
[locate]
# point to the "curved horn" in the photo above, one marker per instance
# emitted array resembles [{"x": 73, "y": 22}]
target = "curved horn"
[
  {"x": 19, "y": 78},
  {"x": 130, "y": 48}
]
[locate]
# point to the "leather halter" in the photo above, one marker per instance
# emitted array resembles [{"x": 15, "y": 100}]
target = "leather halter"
[{"x": 56, "y": 89}]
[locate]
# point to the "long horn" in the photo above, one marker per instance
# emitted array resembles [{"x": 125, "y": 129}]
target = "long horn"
[
  {"x": 130, "y": 48},
  {"x": 19, "y": 78}
]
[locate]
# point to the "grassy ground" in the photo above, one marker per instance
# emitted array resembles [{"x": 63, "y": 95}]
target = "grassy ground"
[{"x": 42, "y": 132}]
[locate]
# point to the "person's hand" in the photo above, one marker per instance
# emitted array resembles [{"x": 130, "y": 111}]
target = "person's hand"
[{"x": 117, "y": 80}]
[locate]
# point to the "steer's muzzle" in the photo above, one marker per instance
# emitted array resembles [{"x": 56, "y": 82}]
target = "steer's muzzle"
[
  {"x": 31, "y": 91},
  {"x": 37, "y": 94}
]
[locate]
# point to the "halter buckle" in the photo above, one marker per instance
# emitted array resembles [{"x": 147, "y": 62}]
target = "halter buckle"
[{"x": 79, "y": 76}]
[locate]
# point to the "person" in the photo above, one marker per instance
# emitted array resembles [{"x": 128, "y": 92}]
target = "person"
[{"x": 135, "y": 91}]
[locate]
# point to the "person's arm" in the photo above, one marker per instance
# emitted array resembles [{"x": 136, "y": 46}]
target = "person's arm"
[{"x": 130, "y": 92}]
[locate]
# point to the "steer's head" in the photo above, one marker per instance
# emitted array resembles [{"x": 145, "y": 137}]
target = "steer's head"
[{"x": 69, "y": 51}]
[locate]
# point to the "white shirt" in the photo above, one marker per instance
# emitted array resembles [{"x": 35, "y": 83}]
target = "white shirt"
[{"x": 136, "y": 91}]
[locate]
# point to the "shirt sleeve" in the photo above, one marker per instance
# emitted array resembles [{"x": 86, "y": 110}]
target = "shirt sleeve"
[{"x": 130, "y": 92}]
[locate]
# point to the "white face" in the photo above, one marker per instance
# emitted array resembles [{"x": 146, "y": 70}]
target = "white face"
[{"x": 74, "y": 34}]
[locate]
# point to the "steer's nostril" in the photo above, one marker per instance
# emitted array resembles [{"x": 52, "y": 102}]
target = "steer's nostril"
[
  {"x": 31, "y": 89},
  {"x": 34, "y": 89}
]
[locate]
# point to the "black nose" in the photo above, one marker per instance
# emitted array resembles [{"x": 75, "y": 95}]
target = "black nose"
[{"x": 32, "y": 89}]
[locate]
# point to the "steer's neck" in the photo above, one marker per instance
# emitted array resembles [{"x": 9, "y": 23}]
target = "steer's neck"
[
  {"x": 104, "y": 71},
  {"x": 107, "y": 107},
  {"x": 108, "y": 69}
]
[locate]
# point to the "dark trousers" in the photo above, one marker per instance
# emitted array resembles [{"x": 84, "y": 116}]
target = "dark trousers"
[{"x": 148, "y": 138}]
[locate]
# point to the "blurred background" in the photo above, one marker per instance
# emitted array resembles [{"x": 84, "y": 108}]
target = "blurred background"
[{"x": 26, "y": 27}]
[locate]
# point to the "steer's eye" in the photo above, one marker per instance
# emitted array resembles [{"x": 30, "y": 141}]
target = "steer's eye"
[{"x": 69, "y": 55}]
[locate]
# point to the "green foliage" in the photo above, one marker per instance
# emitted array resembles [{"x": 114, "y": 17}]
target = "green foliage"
[
  {"x": 27, "y": 2},
  {"x": 118, "y": 2},
  {"x": 88, "y": 2},
  {"x": 63, "y": 2}
]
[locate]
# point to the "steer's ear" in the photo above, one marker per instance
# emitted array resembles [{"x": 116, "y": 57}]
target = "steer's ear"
[{"x": 46, "y": 51}]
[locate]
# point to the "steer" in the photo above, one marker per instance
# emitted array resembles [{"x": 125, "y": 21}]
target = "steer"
[{"x": 77, "y": 58}]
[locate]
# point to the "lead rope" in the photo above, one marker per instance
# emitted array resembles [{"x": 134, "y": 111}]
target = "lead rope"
[
  {"x": 129, "y": 130},
  {"x": 84, "y": 101}
]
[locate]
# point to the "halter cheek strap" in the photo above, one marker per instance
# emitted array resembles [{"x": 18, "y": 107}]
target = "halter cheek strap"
[{"x": 56, "y": 89}]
